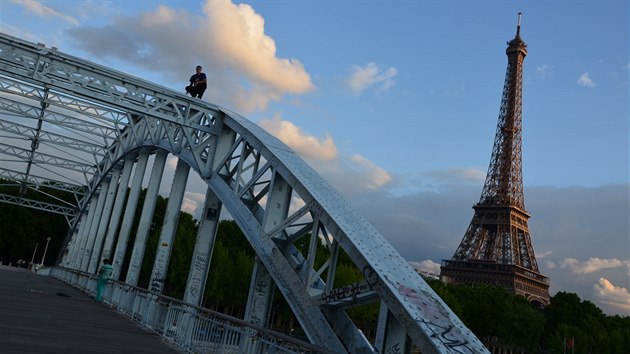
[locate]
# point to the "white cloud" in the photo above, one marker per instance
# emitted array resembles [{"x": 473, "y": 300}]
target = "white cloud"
[
  {"x": 370, "y": 75},
  {"x": 378, "y": 177},
  {"x": 228, "y": 40},
  {"x": 239, "y": 33},
  {"x": 171, "y": 161},
  {"x": 348, "y": 174},
  {"x": 592, "y": 265},
  {"x": 44, "y": 11},
  {"x": 544, "y": 71},
  {"x": 307, "y": 146},
  {"x": 457, "y": 175},
  {"x": 617, "y": 296},
  {"x": 427, "y": 266},
  {"x": 550, "y": 264},
  {"x": 585, "y": 81},
  {"x": 192, "y": 201}
]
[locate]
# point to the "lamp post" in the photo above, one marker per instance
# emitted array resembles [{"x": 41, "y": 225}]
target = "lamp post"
[
  {"x": 33, "y": 258},
  {"x": 45, "y": 249}
]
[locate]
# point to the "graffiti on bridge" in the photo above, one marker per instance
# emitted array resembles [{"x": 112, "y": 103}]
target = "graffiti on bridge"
[
  {"x": 436, "y": 320},
  {"x": 354, "y": 289}
]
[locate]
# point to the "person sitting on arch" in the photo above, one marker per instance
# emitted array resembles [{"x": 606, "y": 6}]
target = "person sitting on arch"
[{"x": 198, "y": 83}]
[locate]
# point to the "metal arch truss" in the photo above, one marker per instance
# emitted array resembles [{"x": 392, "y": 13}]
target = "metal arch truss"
[{"x": 273, "y": 195}]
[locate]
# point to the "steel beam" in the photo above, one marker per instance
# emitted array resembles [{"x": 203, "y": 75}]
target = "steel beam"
[
  {"x": 91, "y": 235},
  {"x": 84, "y": 234},
  {"x": 202, "y": 253},
  {"x": 103, "y": 223},
  {"x": 114, "y": 220},
  {"x": 130, "y": 213},
  {"x": 146, "y": 217},
  {"x": 169, "y": 228}
]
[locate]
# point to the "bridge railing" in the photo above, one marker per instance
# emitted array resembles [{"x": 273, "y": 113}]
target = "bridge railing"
[{"x": 191, "y": 328}]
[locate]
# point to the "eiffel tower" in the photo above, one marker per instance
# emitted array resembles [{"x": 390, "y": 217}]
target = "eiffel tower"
[{"x": 497, "y": 249}]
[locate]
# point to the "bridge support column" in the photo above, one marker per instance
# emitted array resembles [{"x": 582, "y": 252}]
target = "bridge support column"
[
  {"x": 114, "y": 220},
  {"x": 260, "y": 297},
  {"x": 75, "y": 240},
  {"x": 130, "y": 213},
  {"x": 91, "y": 235},
  {"x": 148, "y": 208},
  {"x": 262, "y": 286},
  {"x": 169, "y": 227},
  {"x": 84, "y": 229},
  {"x": 202, "y": 254},
  {"x": 104, "y": 221},
  {"x": 67, "y": 253},
  {"x": 391, "y": 336},
  {"x": 259, "y": 301}
]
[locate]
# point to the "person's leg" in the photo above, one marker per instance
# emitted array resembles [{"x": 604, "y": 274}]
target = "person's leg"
[
  {"x": 201, "y": 90},
  {"x": 100, "y": 286},
  {"x": 193, "y": 91}
]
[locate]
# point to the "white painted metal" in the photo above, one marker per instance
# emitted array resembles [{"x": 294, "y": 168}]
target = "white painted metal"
[
  {"x": 73, "y": 249},
  {"x": 260, "y": 296},
  {"x": 103, "y": 223},
  {"x": 204, "y": 245},
  {"x": 84, "y": 230},
  {"x": 191, "y": 328},
  {"x": 91, "y": 235},
  {"x": 146, "y": 217},
  {"x": 169, "y": 227},
  {"x": 391, "y": 336},
  {"x": 261, "y": 290},
  {"x": 114, "y": 220},
  {"x": 90, "y": 230},
  {"x": 66, "y": 251},
  {"x": 130, "y": 212}
]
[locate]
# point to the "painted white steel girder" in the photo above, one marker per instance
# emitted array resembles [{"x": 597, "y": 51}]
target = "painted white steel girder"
[{"x": 239, "y": 161}]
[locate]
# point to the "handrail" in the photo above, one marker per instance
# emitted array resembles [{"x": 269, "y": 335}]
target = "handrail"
[{"x": 192, "y": 328}]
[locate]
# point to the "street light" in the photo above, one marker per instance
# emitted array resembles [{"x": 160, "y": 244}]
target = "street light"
[
  {"x": 33, "y": 258},
  {"x": 45, "y": 249}
]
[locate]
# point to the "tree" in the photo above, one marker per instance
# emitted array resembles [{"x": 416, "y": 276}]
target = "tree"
[{"x": 22, "y": 228}]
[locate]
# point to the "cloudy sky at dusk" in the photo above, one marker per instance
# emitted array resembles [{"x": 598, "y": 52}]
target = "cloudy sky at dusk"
[{"x": 396, "y": 103}]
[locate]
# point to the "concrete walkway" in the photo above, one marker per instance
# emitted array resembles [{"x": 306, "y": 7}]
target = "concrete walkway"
[{"x": 39, "y": 314}]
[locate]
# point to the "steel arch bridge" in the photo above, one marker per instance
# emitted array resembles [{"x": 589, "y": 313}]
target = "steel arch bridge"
[{"x": 73, "y": 125}]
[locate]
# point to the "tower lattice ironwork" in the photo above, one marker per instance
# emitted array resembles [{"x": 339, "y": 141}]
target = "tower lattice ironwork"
[{"x": 497, "y": 248}]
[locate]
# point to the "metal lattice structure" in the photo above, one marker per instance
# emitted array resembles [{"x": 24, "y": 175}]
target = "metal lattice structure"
[
  {"x": 497, "y": 247},
  {"x": 84, "y": 128}
]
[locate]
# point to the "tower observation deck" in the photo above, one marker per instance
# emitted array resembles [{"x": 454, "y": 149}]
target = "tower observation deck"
[{"x": 497, "y": 248}]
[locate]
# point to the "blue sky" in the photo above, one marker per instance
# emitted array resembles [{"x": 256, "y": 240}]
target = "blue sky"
[{"x": 396, "y": 104}]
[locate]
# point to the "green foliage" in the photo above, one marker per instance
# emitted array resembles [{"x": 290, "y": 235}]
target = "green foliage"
[
  {"x": 181, "y": 256},
  {"x": 492, "y": 312},
  {"x": 230, "y": 268},
  {"x": 152, "y": 240},
  {"x": 568, "y": 317},
  {"x": 447, "y": 294},
  {"x": 21, "y": 229}
]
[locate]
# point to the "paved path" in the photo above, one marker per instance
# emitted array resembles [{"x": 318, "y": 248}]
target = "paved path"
[{"x": 40, "y": 314}]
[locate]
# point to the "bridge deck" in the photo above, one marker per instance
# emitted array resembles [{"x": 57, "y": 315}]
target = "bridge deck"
[{"x": 39, "y": 314}]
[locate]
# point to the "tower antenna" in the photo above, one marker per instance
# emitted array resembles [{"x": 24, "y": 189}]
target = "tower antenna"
[{"x": 518, "y": 28}]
